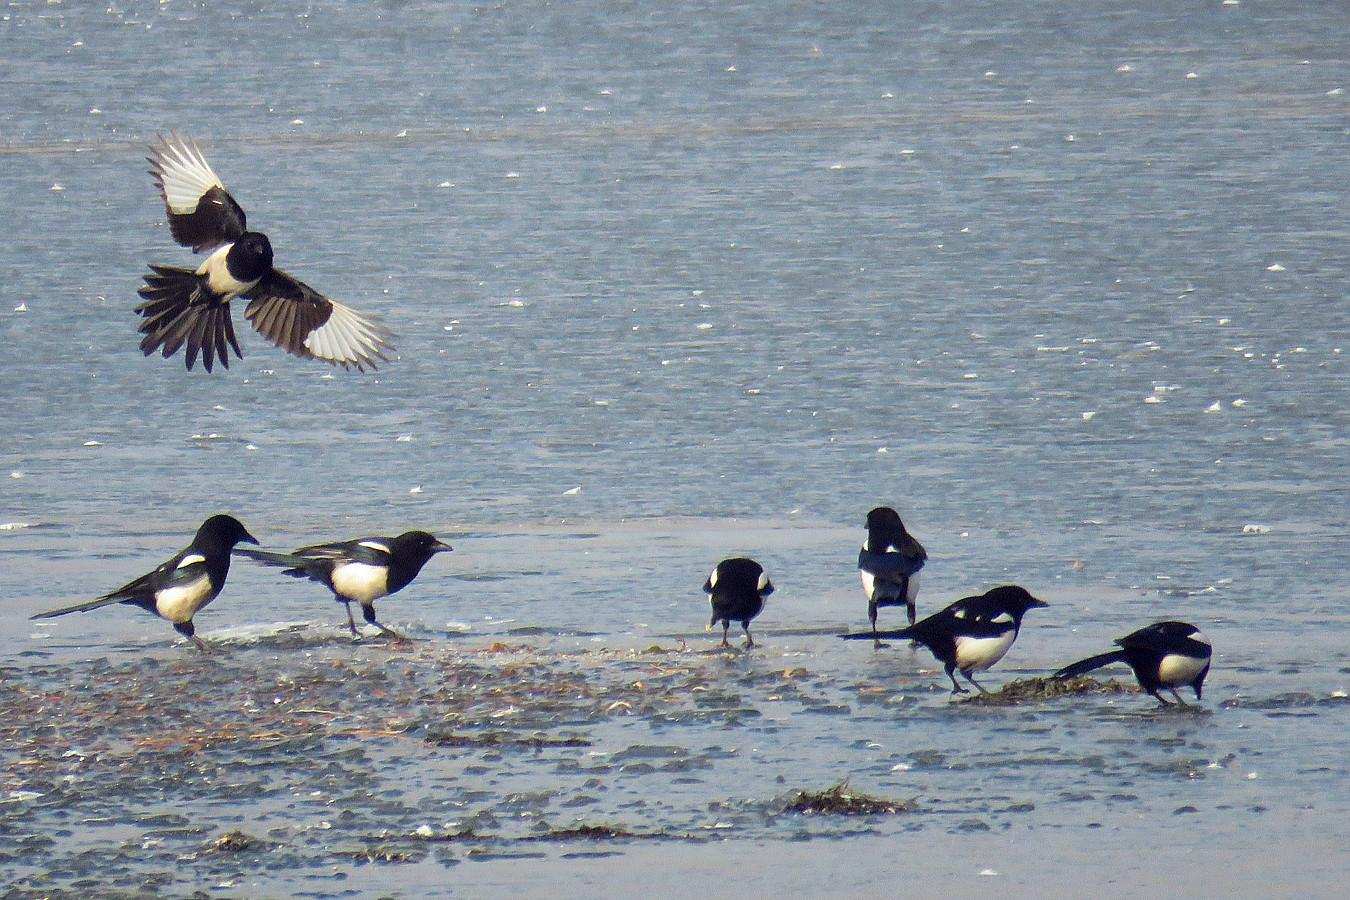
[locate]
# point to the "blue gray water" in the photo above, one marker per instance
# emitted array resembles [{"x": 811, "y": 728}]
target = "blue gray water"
[{"x": 1066, "y": 284}]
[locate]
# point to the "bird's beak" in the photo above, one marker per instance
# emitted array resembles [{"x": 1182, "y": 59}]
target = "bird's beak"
[
  {"x": 250, "y": 539},
  {"x": 441, "y": 547}
]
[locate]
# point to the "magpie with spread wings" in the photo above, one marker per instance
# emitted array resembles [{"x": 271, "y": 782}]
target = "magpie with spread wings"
[{"x": 191, "y": 307}]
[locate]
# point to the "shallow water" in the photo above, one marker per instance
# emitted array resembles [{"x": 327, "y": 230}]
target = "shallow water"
[{"x": 671, "y": 286}]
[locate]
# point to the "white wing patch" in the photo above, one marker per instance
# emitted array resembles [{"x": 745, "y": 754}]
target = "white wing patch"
[
  {"x": 1002, "y": 618},
  {"x": 350, "y": 338},
  {"x": 1199, "y": 636},
  {"x": 184, "y": 173},
  {"x": 191, "y": 560},
  {"x": 374, "y": 545},
  {"x": 763, "y": 581},
  {"x": 712, "y": 579}
]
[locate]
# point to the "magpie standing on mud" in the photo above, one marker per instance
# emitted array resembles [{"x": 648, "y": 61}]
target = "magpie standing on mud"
[
  {"x": 736, "y": 589},
  {"x": 889, "y": 564},
  {"x": 1164, "y": 655},
  {"x": 183, "y": 585},
  {"x": 191, "y": 307},
  {"x": 361, "y": 570},
  {"x": 972, "y": 634}
]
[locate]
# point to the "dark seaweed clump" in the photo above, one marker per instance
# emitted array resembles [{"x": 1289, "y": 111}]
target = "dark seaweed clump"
[
  {"x": 1032, "y": 690},
  {"x": 840, "y": 801}
]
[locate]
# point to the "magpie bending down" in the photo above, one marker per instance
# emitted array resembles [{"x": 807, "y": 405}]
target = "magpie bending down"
[
  {"x": 192, "y": 306},
  {"x": 359, "y": 571},
  {"x": 736, "y": 589},
  {"x": 1164, "y": 655},
  {"x": 889, "y": 565},
  {"x": 972, "y": 634},
  {"x": 183, "y": 585}
]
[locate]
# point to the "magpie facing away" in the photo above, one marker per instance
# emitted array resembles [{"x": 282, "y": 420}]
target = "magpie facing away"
[
  {"x": 889, "y": 563},
  {"x": 1163, "y": 655},
  {"x": 736, "y": 589},
  {"x": 192, "y": 306},
  {"x": 183, "y": 585},
  {"x": 361, "y": 570},
  {"x": 972, "y": 634}
]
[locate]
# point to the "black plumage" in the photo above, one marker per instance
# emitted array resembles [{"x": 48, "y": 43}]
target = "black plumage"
[
  {"x": 972, "y": 634},
  {"x": 737, "y": 589},
  {"x": 359, "y": 571},
  {"x": 889, "y": 564},
  {"x": 191, "y": 307},
  {"x": 1164, "y": 656},
  {"x": 179, "y": 588}
]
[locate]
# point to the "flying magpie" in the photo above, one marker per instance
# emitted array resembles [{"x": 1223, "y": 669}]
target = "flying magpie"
[
  {"x": 972, "y": 634},
  {"x": 178, "y": 589},
  {"x": 192, "y": 306},
  {"x": 361, "y": 570},
  {"x": 736, "y": 589},
  {"x": 1163, "y": 655},
  {"x": 889, "y": 564}
]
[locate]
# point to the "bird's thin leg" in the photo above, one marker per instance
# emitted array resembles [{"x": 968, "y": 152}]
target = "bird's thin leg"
[
  {"x": 749, "y": 641},
  {"x": 368, "y": 612},
  {"x": 203, "y": 645},
  {"x": 956, "y": 688},
  {"x": 1159, "y": 698},
  {"x": 1178, "y": 696},
  {"x": 972, "y": 680},
  {"x": 910, "y": 611},
  {"x": 351, "y": 622},
  {"x": 872, "y": 614},
  {"x": 726, "y": 627}
]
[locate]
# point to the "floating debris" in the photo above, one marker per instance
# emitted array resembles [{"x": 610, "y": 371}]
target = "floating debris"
[
  {"x": 237, "y": 842},
  {"x": 840, "y": 801},
  {"x": 1033, "y": 690}
]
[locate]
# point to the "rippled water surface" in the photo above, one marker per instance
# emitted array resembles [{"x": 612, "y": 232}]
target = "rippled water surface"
[{"x": 1065, "y": 284}]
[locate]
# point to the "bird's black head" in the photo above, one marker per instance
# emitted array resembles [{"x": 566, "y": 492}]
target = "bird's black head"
[
  {"x": 885, "y": 519},
  {"x": 419, "y": 545},
  {"x": 1016, "y": 600},
  {"x": 223, "y": 532},
  {"x": 251, "y": 256}
]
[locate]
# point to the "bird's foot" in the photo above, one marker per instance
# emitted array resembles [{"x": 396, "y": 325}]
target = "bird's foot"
[
  {"x": 957, "y": 689},
  {"x": 204, "y": 647},
  {"x": 748, "y": 645},
  {"x": 879, "y": 644}
]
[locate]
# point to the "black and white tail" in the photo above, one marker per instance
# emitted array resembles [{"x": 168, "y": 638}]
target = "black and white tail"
[
  {"x": 179, "y": 310},
  {"x": 1092, "y": 662}
]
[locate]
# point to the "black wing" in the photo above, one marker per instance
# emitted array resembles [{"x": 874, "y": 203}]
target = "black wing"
[
  {"x": 373, "y": 551},
  {"x": 301, "y": 321},
  {"x": 202, "y": 214}
]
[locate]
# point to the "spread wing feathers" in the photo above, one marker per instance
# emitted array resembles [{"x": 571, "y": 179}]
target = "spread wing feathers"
[
  {"x": 303, "y": 322},
  {"x": 177, "y": 311},
  {"x": 202, "y": 214}
]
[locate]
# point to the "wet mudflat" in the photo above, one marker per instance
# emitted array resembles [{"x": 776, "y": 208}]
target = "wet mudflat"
[{"x": 303, "y": 761}]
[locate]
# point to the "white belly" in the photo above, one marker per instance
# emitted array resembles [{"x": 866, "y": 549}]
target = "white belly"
[
  {"x": 179, "y": 604},
  {"x": 361, "y": 582},
  {"x": 1176, "y": 670},
  {"x": 912, "y": 593},
  {"x": 218, "y": 276},
  {"x": 978, "y": 654},
  {"x": 869, "y": 581}
]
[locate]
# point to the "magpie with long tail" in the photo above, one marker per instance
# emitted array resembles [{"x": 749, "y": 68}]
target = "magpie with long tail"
[
  {"x": 359, "y": 571},
  {"x": 889, "y": 564},
  {"x": 191, "y": 307},
  {"x": 179, "y": 588},
  {"x": 1164, "y": 656},
  {"x": 971, "y": 634},
  {"x": 737, "y": 589}
]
